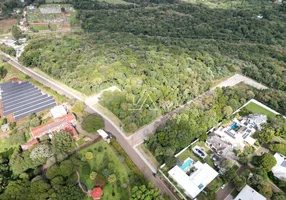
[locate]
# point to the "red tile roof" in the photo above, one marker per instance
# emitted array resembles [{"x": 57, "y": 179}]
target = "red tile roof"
[
  {"x": 58, "y": 123},
  {"x": 96, "y": 193},
  {"x": 16, "y": 80},
  {"x": 69, "y": 128},
  {"x": 29, "y": 144}
]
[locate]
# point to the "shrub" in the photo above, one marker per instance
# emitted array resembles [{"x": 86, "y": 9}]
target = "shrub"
[
  {"x": 111, "y": 178},
  {"x": 92, "y": 175},
  {"x": 89, "y": 155},
  {"x": 92, "y": 123},
  {"x": 100, "y": 181}
]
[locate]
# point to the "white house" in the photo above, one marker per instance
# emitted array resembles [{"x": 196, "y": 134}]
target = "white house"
[
  {"x": 196, "y": 181},
  {"x": 279, "y": 170},
  {"x": 239, "y": 132},
  {"x": 58, "y": 111},
  {"x": 248, "y": 193},
  {"x": 104, "y": 135}
]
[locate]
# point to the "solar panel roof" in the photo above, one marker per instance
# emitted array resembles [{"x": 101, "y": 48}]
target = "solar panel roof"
[{"x": 22, "y": 99}]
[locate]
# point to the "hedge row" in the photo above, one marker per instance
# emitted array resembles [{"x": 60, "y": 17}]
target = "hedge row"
[{"x": 128, "y": 161}]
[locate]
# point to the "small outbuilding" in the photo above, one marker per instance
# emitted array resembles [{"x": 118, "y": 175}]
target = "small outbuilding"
[
  {"x": 58, "y": 111},
  {"x": 104, "y": 135},
  {"x": 5, "y": 128},
  {"x": 96, "y": 193}
]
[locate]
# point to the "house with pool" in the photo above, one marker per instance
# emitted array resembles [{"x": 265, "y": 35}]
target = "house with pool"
[
  {"x": 192, "y": 176},
  {"x": 238, "y": 132}
]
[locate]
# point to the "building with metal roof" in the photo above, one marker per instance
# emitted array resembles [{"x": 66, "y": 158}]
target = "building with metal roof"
[{"x": 19, "y": 99}]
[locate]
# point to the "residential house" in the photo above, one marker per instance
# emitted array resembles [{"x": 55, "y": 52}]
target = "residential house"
[
  {"x": 66, "y": 122},
  {"x": 248, "y": 193},
  {"x": 201, "y": 174},
  {"x": 279, "y": 170},
  {"x": 239, "y": 132},
  {"x": 29, "y": 144}
]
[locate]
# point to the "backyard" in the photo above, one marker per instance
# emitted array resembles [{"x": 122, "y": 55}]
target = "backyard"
[
  {"x": 105, "y": 162},
  {"x": 255, "y": 108},
  {"x": 189, "y": 153}
]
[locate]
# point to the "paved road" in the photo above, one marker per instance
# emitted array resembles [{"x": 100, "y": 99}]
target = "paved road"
[
  {"x": 109, "y": 125},
  {"x": 139, "y": 136}
]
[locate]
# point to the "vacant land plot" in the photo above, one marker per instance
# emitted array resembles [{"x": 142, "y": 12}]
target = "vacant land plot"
[
  {"x": 105, "y": 161},
  {"x": 6, "y": 25},
  {"x": 254, "y": 108},
  {"x": 51, "y": 13}
]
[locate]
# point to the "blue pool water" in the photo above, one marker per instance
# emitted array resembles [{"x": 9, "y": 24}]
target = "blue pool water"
[
  {"x": 186, "y": 166},
  {"x": 234, "y": 126}
]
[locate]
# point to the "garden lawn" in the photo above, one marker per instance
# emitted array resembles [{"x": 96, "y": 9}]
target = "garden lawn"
[
  {"x": 102, "y": 150},
  {"x": 189, "y": 153},
  {"x": 254, "y": 108}
]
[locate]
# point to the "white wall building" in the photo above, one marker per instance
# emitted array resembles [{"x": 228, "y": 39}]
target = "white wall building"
[
  {"x": 239, "y": 132},
  {"x": 248, "y": 193},
  {"x": 279, "y": 170},
  {"x": 104, "y": 135},
  {"x": 197, "y": 180},
  {"x": 58, "y": 111}
]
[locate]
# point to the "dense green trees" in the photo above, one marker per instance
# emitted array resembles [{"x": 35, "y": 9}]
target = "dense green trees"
[
  {"x": 16, "y": 32},
  {"x": 144, "y": 192},
  {"x": 92, "y": 123},
  {"x": 61, "y": 142},
  {"x": 9, "y": 50},
  {"x": 194, "y": 121},
  {"x": 266, "y": 161}
]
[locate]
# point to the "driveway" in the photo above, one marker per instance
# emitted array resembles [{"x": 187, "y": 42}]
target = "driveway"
[{"x": 223, "y": 193}]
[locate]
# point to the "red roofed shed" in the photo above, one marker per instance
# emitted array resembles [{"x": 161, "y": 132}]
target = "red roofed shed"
[{"x": 96, "y": 193}]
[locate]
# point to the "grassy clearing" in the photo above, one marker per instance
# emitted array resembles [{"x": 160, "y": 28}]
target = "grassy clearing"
[
  {"x": 43, "y": 27},
  {"x": 101, "y": 150},
  {"x": 254, "y": 108}
]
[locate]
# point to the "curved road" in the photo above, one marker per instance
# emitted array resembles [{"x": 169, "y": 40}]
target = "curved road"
[{"x": 109, "y": 125}]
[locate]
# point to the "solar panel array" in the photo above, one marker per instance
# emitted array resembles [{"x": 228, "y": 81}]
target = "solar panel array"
[{"x": 23, "y": 99}]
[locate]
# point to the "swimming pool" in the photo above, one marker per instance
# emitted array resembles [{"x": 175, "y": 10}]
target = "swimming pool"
[
  {"x": 234, "y": 126},
  {"x": 187, "y": 165}
]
